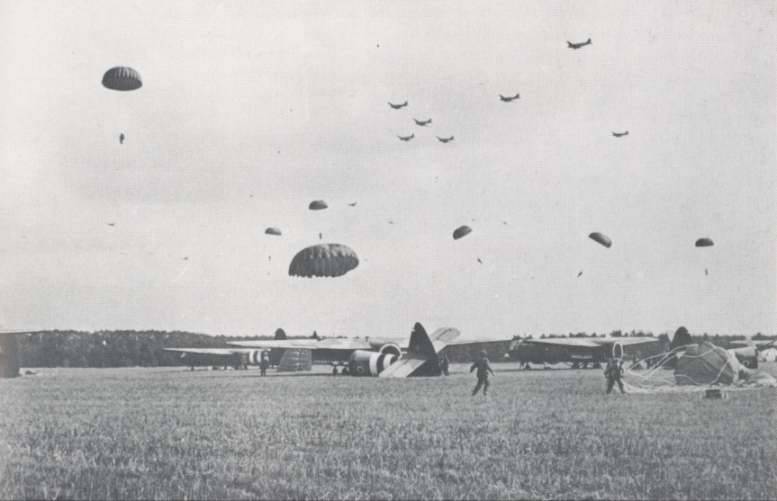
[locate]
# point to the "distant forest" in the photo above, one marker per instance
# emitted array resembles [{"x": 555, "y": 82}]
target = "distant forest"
[{"x": 119, "y": 348}]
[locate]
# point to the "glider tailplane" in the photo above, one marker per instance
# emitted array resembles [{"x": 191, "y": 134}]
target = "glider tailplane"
[{"x": 420, "y": 359}]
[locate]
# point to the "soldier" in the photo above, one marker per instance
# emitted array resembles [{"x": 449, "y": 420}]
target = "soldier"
[
  {"x": 613, "y": 372},
  {"x": 263, "y": 364},
  {"x": 444, "y": 364},
  {"x": 483, "y": 368}
]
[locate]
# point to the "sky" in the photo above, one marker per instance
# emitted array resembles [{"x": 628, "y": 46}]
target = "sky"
[{"x": 250, "y": 110}]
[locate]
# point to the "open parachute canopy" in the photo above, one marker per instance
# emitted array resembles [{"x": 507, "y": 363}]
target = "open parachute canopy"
[
  {"x": 317, "y": 205},
  {"x": 122, "y": 78},
  {"x": 704, "y": 242},
  {"x": 323, "y": 260},
  {"x": 273, "y": 231},
  {"x": 461, "y": 231},
  {"x": 601, "y": 238}
]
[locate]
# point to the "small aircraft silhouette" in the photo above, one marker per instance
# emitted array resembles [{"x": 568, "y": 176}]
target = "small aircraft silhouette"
[
  {"x": 352, "y": 204},
  {"x": 406, "y": 138},
  {"x": 620, "y": 134},
  {"x": 397, "y": 106},
  {"x": 121, "y": 138},
  {"x": 444, "y": 139},
  {"x": 507, "y": 99},
  {"x": 575, "y": 46},
  {"x": 422, "y": 123}
]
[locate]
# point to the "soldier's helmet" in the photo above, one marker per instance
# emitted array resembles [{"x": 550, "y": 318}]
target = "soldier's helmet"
[{"x": 483, "y": 353}]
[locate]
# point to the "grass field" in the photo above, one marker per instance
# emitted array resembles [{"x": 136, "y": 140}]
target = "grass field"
[{"x": 170, "y": 433}]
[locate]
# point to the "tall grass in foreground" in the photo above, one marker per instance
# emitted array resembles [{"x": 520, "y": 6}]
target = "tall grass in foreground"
[{"x": 171, "y": 433}]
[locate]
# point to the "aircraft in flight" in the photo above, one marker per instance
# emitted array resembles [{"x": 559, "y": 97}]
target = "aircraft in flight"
[
  {"x": 377, "y": 356},
  {"x": 579, "y": 352}
]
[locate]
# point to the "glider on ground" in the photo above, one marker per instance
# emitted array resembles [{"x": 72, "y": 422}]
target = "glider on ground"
[{"x": 376, "y": 356}]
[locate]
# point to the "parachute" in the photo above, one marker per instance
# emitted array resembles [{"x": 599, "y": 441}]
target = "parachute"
[
  {"x": 601, "y": 238},
  {"x": 461, "y": 231},
  {"x": 705, "y": 363},
  {"x": 122, "y": 78},
  {"x": 323, "y": 260},
  {"x": 317, "y": 205},
  {"x": 695, "y": 367},
  {"x": 704, "y": 242},
  {"x": 273, "y": 231}
]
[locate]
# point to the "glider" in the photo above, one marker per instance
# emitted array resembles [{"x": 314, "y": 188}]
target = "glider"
[
  {"x": 397, "y": 106},
  {"x": 376, "y": 356},
  {"x": 575, "y": 46},
  {"x": 580, "y": 351}
]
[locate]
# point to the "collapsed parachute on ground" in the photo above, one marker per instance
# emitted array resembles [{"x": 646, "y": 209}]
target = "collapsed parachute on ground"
[
  {"x": 122, "y": 78},
  {"x": 704, "y": 242},
  {"x": 317, "y": 205},
  {"x": 323, "y": 260},
  {"x": 461, "y": 231},
  {"x": 601, "y": 238},
  {"x": 273, "y": 231},
  {"x": 705, "y": 363}
]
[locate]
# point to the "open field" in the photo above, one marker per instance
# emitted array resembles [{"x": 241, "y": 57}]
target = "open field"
[{"x": 170, "y": 433}]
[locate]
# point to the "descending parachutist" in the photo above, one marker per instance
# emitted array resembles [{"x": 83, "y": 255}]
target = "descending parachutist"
[
  {"x": 121, "y": 138},
  {"x": 706, "y": 271}
]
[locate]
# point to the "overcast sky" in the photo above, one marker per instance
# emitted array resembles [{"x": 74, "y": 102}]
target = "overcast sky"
[{"x": 250, "y": 110}]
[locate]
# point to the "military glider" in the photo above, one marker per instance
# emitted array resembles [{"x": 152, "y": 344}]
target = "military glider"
[
  {"x": 377, "y": 356},
  {"x": 579, "y": 352}
]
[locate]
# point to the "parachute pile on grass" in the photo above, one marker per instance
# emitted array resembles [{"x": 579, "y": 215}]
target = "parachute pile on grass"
[
  {"x": 323, "y": 260},
  {"x": 696, "y": 367}
]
